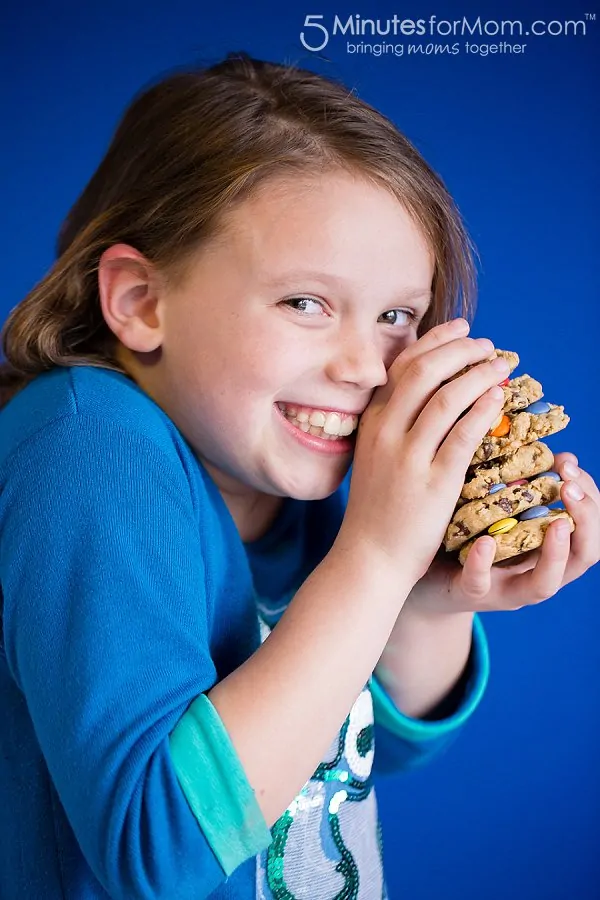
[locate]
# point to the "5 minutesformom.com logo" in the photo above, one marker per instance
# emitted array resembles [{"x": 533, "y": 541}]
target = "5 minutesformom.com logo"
[{"x": 318, "y": 37}]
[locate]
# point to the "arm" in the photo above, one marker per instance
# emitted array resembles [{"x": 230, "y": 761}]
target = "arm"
[
  {"x": 403, "y": 742},
  {"x": 424, "y": 659},
  {"x": 429, "y": 679},
  {"x": 107, "y": 636},
  {"x": 107, "y": 605}
]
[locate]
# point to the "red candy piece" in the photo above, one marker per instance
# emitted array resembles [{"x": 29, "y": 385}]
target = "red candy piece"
[
  {"x": 519, "y": 481},
  {"x": 503, "y": 383}
]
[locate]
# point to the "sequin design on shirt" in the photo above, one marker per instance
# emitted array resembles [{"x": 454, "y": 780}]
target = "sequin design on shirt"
[{"x": 327, "y": 845}]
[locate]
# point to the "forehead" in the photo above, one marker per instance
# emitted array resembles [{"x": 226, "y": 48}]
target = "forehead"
[{"x": 331, "y": 221}]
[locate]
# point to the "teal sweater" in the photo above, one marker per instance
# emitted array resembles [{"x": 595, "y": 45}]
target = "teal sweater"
[{"x": 126, "y": 595}]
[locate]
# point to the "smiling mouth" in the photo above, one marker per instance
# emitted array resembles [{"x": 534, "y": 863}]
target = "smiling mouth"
[{"x": 329, "y": 426}]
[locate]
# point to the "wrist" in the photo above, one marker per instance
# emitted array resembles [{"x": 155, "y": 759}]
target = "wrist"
[{"x": 365, "y": 557}]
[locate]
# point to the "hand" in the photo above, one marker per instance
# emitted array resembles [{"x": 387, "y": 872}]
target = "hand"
[
  {"x": 414, "y": 444},
  {"x": 528, "y": 579}
]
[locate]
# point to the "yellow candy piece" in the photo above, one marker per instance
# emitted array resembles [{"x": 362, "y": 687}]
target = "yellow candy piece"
[{"x": 502, "y": 526}]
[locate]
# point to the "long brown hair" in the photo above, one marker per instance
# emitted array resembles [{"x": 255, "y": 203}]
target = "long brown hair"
[{"x": 187, "y": 149}]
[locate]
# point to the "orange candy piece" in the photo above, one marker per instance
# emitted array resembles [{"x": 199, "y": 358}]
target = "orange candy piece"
[{"x": 502, "y": 428}]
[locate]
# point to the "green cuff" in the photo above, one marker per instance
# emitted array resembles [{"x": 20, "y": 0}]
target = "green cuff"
[
  {"x": 215, "y": 785},
  {"x": 389, "y": 716}
]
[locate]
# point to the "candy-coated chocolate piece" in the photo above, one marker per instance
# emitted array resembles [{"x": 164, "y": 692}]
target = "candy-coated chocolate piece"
[
  {"x": 554, "y": 475},
  {"x": 518, "y": 481},
  {"x": 502, "y": 428},
  {"x": 502, "y": 526},
  {"x": 496, "y": 487},
  {"x": 534, "y": 513},
  {"x": 504, "y": 383},
  {"x": 537, "y": 408}
]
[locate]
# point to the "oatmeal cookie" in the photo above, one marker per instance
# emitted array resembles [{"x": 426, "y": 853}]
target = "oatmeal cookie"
[
  {"x": 528, "y": 460},
  {"x": 524, "y": 536},
  {"x": 478, "y": 515},
  {"x": 520, "y": 392},
  {"x": 511, "y": 358},
  {"x": 525, "y": 428}
]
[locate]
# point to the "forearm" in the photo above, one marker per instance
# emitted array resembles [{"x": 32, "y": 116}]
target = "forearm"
[
  {"x": 284, "y": 705},
  {"x": 424, "y": 658}
]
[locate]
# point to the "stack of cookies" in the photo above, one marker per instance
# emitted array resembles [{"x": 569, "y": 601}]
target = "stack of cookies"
[{"x": 510, "y": 481}]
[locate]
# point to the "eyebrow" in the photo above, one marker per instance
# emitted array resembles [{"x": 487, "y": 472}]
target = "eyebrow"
[{"x": 403, "y": 295}]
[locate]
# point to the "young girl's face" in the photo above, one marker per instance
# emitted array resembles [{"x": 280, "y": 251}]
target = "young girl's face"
[{"x": 299, "y": 308}]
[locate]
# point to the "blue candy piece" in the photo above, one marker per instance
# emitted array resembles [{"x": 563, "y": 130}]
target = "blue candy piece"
[
  {"x": 534, "y": 513},
  {"x": 496, "y": 487},
  {"x": 540, "y": 406},
  {"x": 554, "y": 475}
]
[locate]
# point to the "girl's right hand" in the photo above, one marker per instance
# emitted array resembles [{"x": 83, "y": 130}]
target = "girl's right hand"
[{"x": 414, "y": 444}]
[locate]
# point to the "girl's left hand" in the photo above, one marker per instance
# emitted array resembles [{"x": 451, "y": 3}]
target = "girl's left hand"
[{"x": 448, "y": 587}]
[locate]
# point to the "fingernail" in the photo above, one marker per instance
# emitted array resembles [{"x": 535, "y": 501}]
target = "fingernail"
[
  {"x": 485, "y": 344},
  {"x": 486, "y": 548},
  {"x": 571, "y": 471},
  {"x": 500, "y": 365},
  {"x": 574, "y": 491},
  {"x": 459, "y": 325}
]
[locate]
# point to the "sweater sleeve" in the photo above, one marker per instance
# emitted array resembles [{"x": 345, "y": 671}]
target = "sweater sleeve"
[
  {"x": 106, "y": 634},
  {"x": 403, "y": 743}
]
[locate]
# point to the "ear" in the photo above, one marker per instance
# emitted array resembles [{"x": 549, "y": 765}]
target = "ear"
[{"x": 129, "y": 290}]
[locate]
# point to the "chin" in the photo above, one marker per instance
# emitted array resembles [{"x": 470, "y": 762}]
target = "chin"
[{"x": 313, "y": 486}]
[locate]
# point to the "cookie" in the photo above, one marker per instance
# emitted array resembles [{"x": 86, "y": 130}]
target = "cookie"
[
  {"x": 520, "y": 392},
  {"x": 478, "y": 515},
  {"x": 527, "y": 535},
  {"x": 525, "y": 428},
  {"x": 511, "y": 358},
  {"x": 528, "y": 460}
]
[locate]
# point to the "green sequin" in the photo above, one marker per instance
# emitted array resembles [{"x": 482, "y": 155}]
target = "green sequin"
[{"x": 364, "y": 741}]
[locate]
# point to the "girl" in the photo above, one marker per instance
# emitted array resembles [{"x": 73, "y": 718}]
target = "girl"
[{"x": 207, "y": 628}]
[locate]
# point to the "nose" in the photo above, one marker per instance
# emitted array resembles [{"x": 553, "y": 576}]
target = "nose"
[{"x": 357, "y": 360}]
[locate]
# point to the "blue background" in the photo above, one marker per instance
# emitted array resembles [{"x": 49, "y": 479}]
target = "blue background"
[{"x": 512, "y": 809}]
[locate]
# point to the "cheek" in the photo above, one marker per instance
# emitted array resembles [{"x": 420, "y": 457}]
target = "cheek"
[{"x": 393, "y": 352}]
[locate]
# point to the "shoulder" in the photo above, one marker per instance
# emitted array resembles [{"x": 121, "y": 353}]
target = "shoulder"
[{"x": 103, "y": 413}]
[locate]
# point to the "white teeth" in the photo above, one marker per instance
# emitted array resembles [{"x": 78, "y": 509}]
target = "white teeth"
[
  {"x": 328, "y": 426},
  {"x": 317, "y": 418},
  {"x": 332, "y": 424}
]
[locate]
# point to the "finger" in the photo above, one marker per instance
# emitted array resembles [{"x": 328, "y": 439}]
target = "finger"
[
  {"x": 585, "y": 542},
  {"x": 476, "y": 579},
  {"x": 548, "y": 576},
  {"x": 415, "y": 377},
  {"x": 437, "y": 337},
  {"x": 569, "y": 471},
  {"x": 449, "y": 402},
  {"x": 563, "y": 457},
  {"x": 461, "y": 438}
]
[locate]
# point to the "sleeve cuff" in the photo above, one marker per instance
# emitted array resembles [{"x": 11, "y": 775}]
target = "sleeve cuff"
[
  {"x": 389, "y": 716},
  {"x": 216, "y": 787}
]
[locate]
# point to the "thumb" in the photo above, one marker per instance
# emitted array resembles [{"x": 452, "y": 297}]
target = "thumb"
[{"x": 477, "y": 571}]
